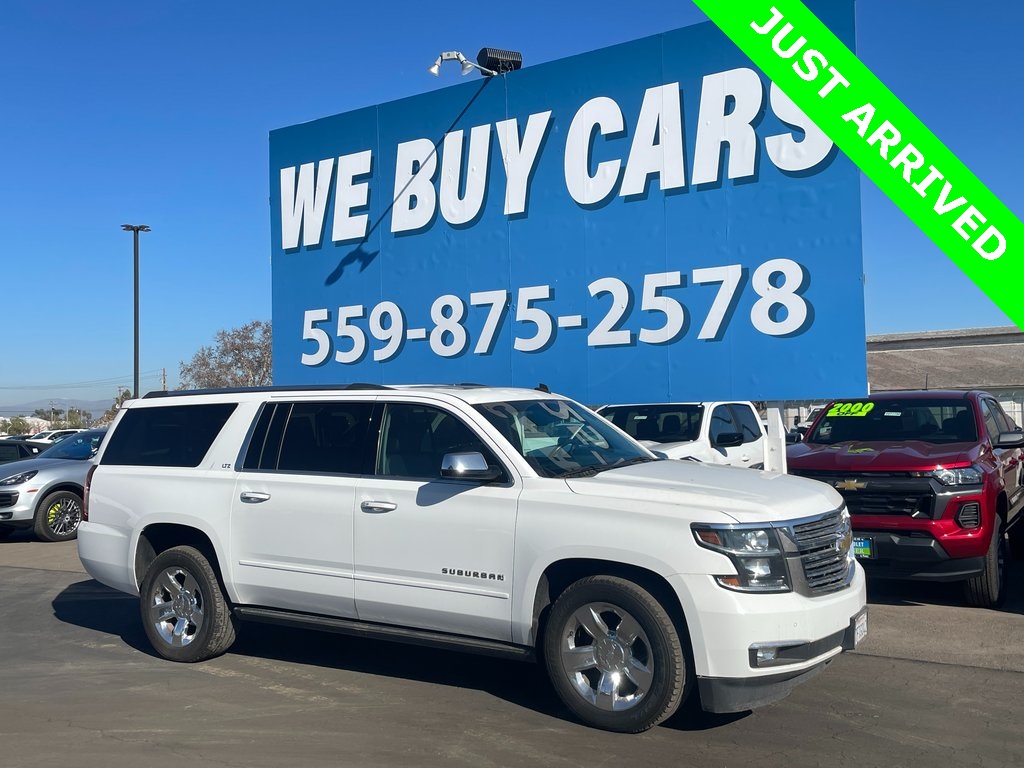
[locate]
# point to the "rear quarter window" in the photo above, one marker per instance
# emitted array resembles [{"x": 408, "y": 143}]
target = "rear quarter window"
[{"x": 172, "y": 436}]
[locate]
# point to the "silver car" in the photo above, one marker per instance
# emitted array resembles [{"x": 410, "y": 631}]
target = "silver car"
[{"x": 45, "y": 492}]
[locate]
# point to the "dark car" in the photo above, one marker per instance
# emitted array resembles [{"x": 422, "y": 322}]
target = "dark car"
[
  {"x": 934, "y": 481},
  {"x": 12, "y": 450}
]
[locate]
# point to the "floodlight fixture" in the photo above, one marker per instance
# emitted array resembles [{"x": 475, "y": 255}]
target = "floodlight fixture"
[
  {"x": 490, "y": 62},
  {"x": 499, "y": 60}
]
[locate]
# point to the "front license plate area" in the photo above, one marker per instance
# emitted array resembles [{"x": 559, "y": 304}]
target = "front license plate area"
[
  {"x": 860, "y": 628},
  {"x": 863, "y": 547}
]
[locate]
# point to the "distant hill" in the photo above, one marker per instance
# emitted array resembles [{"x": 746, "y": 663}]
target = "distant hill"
[{"x": 95, "y": 407}]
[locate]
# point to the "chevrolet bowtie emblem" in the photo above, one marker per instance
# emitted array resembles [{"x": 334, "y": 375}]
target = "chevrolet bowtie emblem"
[{"x": 850, "y": 485}]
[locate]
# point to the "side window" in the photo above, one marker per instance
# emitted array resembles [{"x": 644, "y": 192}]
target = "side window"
[
  {"x": 995, "y": 420},
  {"x": 319, "y": 437},
  {"x": 750, "y": 425},
  {"x": 265, "y": 441},
  {"x": 415, "y": 439},
  {"x": 166, "y": 436},
  {"x": 722, "y": 421}
]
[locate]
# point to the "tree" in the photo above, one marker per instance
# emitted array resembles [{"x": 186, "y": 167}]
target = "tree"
[
  {"x": 18, "y": 426},
  {"x": 240, "y": 358},
  {"x": 123, "y": 393},
  {"x": 77, "y": 419},
  {"x": 49, "y": 414}
]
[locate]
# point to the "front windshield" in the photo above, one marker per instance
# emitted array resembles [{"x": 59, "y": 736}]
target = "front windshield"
[
  {"x": 560, "y": 438},
  {"x": 931, "y": 421},
  {"x": 672, "y": 423},
  {"x": 80, "y": 446}
]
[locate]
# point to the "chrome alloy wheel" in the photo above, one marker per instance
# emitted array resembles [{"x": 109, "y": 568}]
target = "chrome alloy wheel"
[
  {"x": 176, "y": 607},
  {"x": 63, "y": 516},
  {"x": 607, "y": 657}
]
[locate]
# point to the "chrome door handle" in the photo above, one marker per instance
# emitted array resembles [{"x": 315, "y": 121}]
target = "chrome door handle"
[
  {"x": 253, "y": 497},
  {"x": 378, "y": 506}
]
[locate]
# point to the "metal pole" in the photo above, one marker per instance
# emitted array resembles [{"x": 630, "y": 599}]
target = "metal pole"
[
  {"x": 135, "y": 229},
  {"x": 135, "y": 232}
]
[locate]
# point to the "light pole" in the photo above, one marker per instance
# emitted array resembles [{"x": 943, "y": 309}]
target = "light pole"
[{"x": 135, "y": 229}]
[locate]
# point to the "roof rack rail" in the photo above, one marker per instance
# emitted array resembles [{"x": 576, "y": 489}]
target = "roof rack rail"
[{"x": 271, "y": 388}]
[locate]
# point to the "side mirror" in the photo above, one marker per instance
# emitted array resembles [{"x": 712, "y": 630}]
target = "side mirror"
[
  {"x": 728, "y": 440},
  {"x": 468, "y": 466},
  {"x": 794, "y": 437},
  {"x": 1010, "y": 440}
]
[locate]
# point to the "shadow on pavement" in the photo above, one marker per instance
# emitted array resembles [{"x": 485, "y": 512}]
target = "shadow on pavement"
[
  {"x": 91, "y": 605},
  {"x": 893, "y": 592}
]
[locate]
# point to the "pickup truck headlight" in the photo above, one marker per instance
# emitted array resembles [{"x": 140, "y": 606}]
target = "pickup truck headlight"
[
  {"x": 960, "y": 476},
  {"x": 756, "y": 553},
  {"x": 24, "y": 477}
]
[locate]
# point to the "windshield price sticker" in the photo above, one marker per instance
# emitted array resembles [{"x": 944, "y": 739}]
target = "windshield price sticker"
[
  {"x": 778, "y": 310},
  {"x": 850, "y": 409}
]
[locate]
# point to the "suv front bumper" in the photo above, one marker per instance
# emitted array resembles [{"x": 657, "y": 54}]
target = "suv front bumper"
[
  {"x": 727, "y": 627},
  {"x": 17, "y": 507},
  {"x": 737, "y": 694}
]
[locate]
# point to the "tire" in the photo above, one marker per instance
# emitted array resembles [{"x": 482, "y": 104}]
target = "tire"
[
  {"x": 608, "y": 681},
  {"x": 183, "y": 608},
  {"x": 988, "y": 589},
  {"x": 58, "y": 517}
]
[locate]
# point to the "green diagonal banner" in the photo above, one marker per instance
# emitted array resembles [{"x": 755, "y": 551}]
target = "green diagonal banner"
[{"x": 895, "y": 149}]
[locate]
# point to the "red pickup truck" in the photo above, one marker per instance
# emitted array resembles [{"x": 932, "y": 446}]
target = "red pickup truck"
[{"x": 934, "y": 482}]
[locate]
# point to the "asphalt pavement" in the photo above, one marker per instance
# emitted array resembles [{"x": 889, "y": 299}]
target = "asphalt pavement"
[{"x": 936, "y": 684}]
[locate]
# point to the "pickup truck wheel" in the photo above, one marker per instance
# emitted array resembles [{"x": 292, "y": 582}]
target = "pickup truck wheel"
[
  {"x": 614, "y": 655},
  {"x": 184, "y": 611},
  {"x": 58, "y": 517},
  {"x": 987, "y": 589}
]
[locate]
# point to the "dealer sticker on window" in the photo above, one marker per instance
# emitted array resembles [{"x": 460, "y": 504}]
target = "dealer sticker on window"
[{"x": 850, "y": 409}]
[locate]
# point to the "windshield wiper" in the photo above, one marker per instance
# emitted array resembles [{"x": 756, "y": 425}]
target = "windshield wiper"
[
  {"x": 580, "y": 472},
  {"x": 594, "y": 470}
]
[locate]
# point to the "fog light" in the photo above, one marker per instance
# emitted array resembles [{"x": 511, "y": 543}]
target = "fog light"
[
  {"x": 969, "y": 515},
  {"x": 766, "y": 655}
]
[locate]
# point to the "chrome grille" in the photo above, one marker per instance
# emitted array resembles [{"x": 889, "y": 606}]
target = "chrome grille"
[{"x": 823, "y": 547}]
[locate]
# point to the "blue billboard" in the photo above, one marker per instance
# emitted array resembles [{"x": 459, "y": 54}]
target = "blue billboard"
[{"x": 651, "y": 221}]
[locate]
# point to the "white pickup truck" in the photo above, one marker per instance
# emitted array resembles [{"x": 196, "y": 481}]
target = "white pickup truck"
[
  {"x": 508, "y": 522},
  {"x": 710, "y": 432}
]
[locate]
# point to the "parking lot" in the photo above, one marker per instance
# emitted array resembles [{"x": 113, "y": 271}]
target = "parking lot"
[{"x": 936, "y": 683}]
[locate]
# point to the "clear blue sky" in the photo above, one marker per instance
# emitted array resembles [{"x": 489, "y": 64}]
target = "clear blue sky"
[{"x": 158, "y": 113}]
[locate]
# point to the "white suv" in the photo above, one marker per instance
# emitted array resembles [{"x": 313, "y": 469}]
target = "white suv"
[
  {"x": 503, "y": 521},
  {"x": 711, "y": 432}
]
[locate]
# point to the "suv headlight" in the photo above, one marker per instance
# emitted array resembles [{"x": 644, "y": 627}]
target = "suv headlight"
[
  {"x": 24, "y": 477},
  {"x": 960, "y": 476},
  {"x": 756, "y": 553}
]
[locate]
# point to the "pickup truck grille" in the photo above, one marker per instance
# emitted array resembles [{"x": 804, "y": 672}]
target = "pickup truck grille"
[
  {"x": 912, "y": 505},
  {"x": 880, "y": 493},
  {"x": 824, "y": 546}
]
